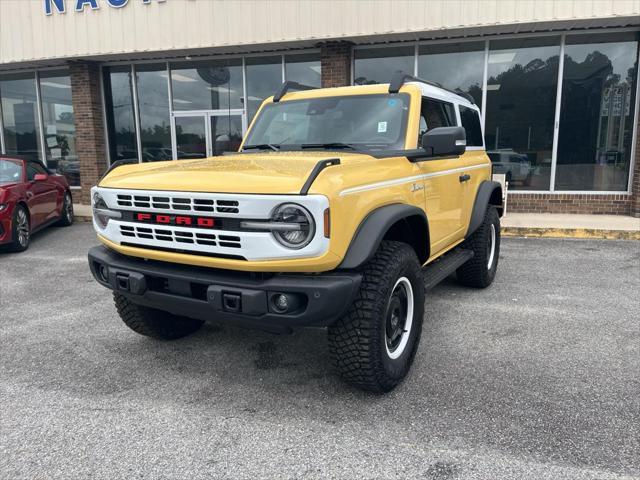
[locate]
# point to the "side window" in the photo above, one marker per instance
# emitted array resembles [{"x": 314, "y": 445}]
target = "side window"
[
  {"x": 434, "y": 114},
  {"x": 471, "y": 123},
  {"x": 33, "y": 168}
]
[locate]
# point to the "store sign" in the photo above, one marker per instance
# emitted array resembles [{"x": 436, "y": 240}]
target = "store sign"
[{"x": 60, "y": 6}]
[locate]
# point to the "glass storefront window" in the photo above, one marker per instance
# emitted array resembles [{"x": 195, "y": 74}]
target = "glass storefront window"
[
  {"x": 264, "y": 76},
  {"x": 153, "y": 107},
  {"x": 596, "y": 116},
  {"x": 20, "y": 115},
  {"x": 377, "y": 65},
  {"x": 520, "y": 110},
  {"x": 118, "y": 92},
  {"x": 303, "y": 68},
  {"x": 207, "y": 85},
  {"x": 454, "y": 66},
  {"x": 59, "y": 125}
]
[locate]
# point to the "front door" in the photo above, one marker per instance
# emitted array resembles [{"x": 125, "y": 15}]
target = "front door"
[
  {"x": 207, "y": 134},
  {"x": 443, "y": 189},
  {"x": 41, "y": 195}
]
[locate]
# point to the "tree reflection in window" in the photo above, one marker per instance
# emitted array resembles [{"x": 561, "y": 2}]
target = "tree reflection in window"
[
  {"x": 596, "y": 122},
  {"x": 521, "y": 98}
]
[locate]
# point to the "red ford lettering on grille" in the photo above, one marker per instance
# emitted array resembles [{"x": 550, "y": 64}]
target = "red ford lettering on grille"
[
  {"x": 205, "y": 222},
  {"x": 182, "y": 220}
]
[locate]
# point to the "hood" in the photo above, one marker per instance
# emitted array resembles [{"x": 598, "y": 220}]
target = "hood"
[
  {"x": 265, "y": 173},
  {"x": 4, "y": 190}
]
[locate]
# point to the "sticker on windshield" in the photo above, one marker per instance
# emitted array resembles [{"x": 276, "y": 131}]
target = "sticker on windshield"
[{"x": 382, "y": 127}]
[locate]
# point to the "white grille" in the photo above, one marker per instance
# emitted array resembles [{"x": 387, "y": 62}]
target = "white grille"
[
  {"x": 250, "y": 245},
  {"x": 174, "y": 237},
  {"x": 180, "y": 204}
]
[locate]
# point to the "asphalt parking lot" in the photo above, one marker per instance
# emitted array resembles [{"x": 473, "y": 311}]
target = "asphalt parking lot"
[{"x": 535, "y": 378}]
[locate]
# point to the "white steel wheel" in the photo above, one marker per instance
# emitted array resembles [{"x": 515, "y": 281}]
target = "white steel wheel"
[
  {"x": 491, "y": 246},
  {"x": 399, "y": 318}
]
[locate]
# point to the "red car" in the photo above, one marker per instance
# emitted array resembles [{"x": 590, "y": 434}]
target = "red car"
[{"x": 31, "y": 198}]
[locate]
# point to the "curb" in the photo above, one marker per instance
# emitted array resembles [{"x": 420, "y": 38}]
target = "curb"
[
  {"x": 83, "y": 218},
  {"x": 585, "y": 233}
]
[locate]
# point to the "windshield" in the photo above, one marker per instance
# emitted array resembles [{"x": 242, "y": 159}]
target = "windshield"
[
  {"x": 10, "y": 171},
  {"x": 355, "y": 121}
]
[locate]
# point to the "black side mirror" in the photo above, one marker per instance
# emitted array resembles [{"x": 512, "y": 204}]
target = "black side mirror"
[{"x": 445, "y": 141}]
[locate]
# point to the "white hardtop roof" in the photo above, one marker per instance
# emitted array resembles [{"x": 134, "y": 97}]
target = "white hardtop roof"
[{"x": 442, "y": 94}]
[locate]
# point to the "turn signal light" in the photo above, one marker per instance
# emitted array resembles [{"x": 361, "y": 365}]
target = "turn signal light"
[{"x": 327, "y": 223}]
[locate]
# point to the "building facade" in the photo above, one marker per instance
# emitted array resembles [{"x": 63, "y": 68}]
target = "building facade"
[{"x": 84, "y": 83}]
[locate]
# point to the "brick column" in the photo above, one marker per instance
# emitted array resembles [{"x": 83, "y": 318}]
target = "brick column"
[
  {"x": 634, "y": 209},
  {"x": 87, "y": 109},
  {"x": 335, "y": 60}
]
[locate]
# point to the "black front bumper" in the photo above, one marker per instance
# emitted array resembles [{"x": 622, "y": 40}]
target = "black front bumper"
[{"x": 244, "y": 299}]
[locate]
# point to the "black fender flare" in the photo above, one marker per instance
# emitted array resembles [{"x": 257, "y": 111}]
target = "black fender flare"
[
  {"x": 489, "y": 192},
  {"x": 116, "y": 164},
  {"x": 372, "y": 230}
]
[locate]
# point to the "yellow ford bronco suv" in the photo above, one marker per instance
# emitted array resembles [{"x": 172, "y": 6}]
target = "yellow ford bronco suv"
[{"x": 340, "y": 208}]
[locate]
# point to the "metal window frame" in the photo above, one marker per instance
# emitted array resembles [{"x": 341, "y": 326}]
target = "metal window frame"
[
  {"x": 556, "y": 116},
  {"x": 485, "y": 79},
  {"x": 43, "y": 154},
  {"x": 562, "y": 34},
  {"x": 2, "y": 146},
  {"x": 103, "y": 101},
  {"x": 136, "y": 110},
  {"x": 206, "y": 116},
  {"x": 634, "y": 133}
]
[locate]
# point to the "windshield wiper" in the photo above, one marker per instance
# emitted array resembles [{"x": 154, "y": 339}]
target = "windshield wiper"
[
  {"x": 262, "y": 146},
  {"x": 346, "y": 146}
]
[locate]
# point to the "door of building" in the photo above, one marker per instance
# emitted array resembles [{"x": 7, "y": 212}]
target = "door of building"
[{"x": 204, "y": 134}]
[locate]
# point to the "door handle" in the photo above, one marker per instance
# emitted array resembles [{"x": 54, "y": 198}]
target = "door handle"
[{"x": 465, "y": 178}]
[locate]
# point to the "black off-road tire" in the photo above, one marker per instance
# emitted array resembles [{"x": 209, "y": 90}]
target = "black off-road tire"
[
  {"x": 358, "y": 341},
  {"x": 20, "y": 216},
  {"x": 477, "y": 272},
  {"x": 154, "y": 323},
  {"x": 66, "y": 216}
]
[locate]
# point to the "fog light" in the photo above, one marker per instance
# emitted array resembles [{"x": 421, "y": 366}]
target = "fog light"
[
  {"x": 287, "y": 302},
  {"x": 103, "y": 272},
  {"x": 281, "y": 302}
]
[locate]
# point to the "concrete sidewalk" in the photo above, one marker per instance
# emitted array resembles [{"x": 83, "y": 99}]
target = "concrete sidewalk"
[
  {"x": 533, "y": 225},
  {"x": 573, "y": 226}
]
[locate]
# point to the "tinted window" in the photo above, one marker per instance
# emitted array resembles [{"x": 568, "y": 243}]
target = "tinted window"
[
  {"x": 434, "y": 114},
  {"x": 10, "y": 171},
  {"x": 303, "y": 68},
  {"x": 153, "y": 104},
  {"x": 596, "y": 117},
  {"x": 118, "y": 94},
  {"x": 33, "y": 168},
  {"x": 455, "y": 66},
  {"x": 364, "y": 120},
  {"x": 207, "y": 85},
  {"x": 471, "y": 123},
  {"x": 59, "y": 125},
  {"x": 520, "y": 110},
  {"x": 19, "y": 114},
  {"x": 264, "y": 76},
  {"x": 377, "y": 65}
]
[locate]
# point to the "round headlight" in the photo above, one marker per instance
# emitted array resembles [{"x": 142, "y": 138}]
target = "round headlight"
[
  {"x": 101, "y": 212},
  {"x": 302, "y": 225}
]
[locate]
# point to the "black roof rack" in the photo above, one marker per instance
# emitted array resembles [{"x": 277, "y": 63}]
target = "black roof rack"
[
  {"x": 288, "y": 85},
  {"x": 399, "y": 78}
]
